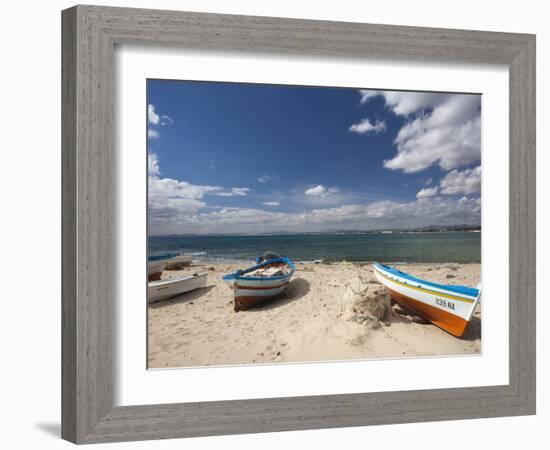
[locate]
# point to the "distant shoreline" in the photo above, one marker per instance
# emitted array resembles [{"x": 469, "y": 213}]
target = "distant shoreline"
[
  {"x": 327, "y": 262},
  {"x": 320, "y": 233}
]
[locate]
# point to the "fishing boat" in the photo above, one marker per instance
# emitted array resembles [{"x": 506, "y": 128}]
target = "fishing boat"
[
  {"x": 265, "y": 280},
  {"x": 449, "y": 307},
  {"x": 157, "y": 263},
  {"x": 164, "y": 289},
  {"x": 183, "y": 259}
]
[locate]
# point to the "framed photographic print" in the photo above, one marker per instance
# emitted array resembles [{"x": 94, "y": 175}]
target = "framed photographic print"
[{"x": 288, "y": 216}]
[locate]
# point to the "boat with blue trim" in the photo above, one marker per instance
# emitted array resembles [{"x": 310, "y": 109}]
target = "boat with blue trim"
[
  {"x": 172, "y": 287},
  {"x": 450, "y": 307},
  {"x": 268, "y": 278},
  {"x": 157, "y": 263}
]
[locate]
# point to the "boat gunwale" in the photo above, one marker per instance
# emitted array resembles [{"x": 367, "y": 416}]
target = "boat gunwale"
[
  {"x": 177, "y": 279},
  {"x": 163, "y": 257},
  {"x": 238, "y": 275},
  {"x": 444, "y": 287}
]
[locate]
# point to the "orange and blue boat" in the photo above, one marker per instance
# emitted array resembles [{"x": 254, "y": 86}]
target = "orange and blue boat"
[{"x": 450, "y": 307}]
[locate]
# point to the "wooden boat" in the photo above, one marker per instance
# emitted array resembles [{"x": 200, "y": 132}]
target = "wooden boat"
[
  {"x": 261, "y": 282},
  {"x": 164, "y": 289},
  {"x": 157, "y": 263},
  {"x": 447, "y": 306}
]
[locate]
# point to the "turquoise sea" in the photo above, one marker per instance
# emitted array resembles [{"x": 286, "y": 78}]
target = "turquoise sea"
[{"x": 460, "y": 247}]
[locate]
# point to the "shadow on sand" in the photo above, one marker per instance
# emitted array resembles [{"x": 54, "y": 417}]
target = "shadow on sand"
[
  {"x": 473, "y": 332},
  {"x": 296, "y": 289},
  {"x": 183, "y": 298},
  {"x": 402, "y": 315}
]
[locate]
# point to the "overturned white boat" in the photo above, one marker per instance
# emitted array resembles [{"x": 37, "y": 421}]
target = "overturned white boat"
[{"x": 172, "y": 287}]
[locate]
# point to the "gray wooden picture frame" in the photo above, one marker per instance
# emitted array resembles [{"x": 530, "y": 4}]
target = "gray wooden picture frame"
[{"x": 90, "y": 34}]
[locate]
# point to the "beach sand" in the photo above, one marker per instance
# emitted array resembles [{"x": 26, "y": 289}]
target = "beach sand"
[{"x": 200, "y": 328}]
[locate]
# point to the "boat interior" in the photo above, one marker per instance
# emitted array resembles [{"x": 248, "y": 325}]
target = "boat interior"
[{"x": 270, "y": 270}]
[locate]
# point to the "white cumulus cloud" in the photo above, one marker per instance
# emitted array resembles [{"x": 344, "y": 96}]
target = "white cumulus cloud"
[
  {"x": 367, "y": 94},
  {"x": 157, "y": 119},
  {"x": 320, "y": 191},
  {"x": 240, "y": 191},
  {"x": 235, "y": 192},
  {"x": 449, "y": 136},
  {"x": 467, "y": 182},
  {"x": 403, "y": 103},
  {"x": 152, "y": 115},
  {"x": 153, "y": 168},
  {"x": 427, "y": 192},
  {"x": 443, "y": 129},
  {"x": 376, "y": 215},
  {"x": 271, "y": 203},
  {"x": 365, "y": 126},
  {"x": 154, "y": 119},
  {"x": 174, "y": 201}
]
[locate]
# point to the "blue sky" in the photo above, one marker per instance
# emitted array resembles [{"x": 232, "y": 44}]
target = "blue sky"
[{"x": 241, "y": 158}]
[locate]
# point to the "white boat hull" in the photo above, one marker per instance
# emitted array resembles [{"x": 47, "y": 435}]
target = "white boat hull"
[
  {"x": 154, "y": 267},
  {"x": 444, "y": 308},
  {"x": 184, "y": 259},
  {"x": 164, "y": 289}
]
